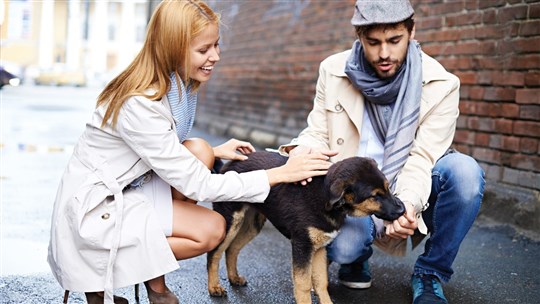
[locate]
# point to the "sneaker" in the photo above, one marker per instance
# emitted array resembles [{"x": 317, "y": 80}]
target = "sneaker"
[
  {"x": 355, "y": 275},
  {"x": 427, "y": 289}
]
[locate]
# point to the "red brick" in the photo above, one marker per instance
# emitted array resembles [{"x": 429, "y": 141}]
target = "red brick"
[
  {"x": 532, "y": 79},
  {"x": 510, "y": 110},
  {"x": 509, "y": 78},
  {"x": 464, "y": 137},
  {"x": 486, "y": 62},
  {"x": 489, "y": 32},
  {"x": 489, "y": 16},
  {"x": 494, "y": 109},
  {"x": 484, "y": 77},
  {"x": 479, "y": 108},
  {"x": 446, "y": 8},
  {"x": 534, "y": 11},
  {"x": 467, "y": 77},
  {"x": 529, "y": 28},
  {"x": 476, "y": 92},
  {"x": 523, "y": 62},
  {"x": 430, "y": 23},
  {"x": 510, "y": 143},
  {"x": 471, "y": 5},
  {"x": 526, "y": 45},
  {"x": 526, "y": 162},
  {"x": 527, "y": 128},
  {"x": 530, "y": 112},
  {"x": 467, "y": 107},
  {"x": 528, "y": 96},
  {"x": 472, "y": 48},
  {"x": 487, "y": 155},
  {"x": 529, "y": 145},
  {"x": 504, "y": 126},
  {"x": 469, "y": 18},
  {"x": 500, "y": 94},
  {"x": 491, "y": 3},
  {"x": 482, "y": 139},
  {"x": 513, "y": 13},
  {"x": 462, "y": 122},
  {"x": 495, "y": 141}
]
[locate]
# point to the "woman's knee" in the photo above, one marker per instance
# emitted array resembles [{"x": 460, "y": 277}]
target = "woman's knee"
[
  {"x": 213, "y": 231},
  {"x": 201, "y": 149}
]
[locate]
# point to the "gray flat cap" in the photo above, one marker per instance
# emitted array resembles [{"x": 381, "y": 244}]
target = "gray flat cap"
[{"x": 368, "y": 12}]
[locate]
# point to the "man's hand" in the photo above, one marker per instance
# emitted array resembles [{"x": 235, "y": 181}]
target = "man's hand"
[
  {"x": 229, "y": 150},
  {"x": 404, "y": 225},
  {"x": 299, "y": 150}
]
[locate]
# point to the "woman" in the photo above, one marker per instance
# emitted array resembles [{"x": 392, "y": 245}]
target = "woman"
[{"x": 116, "y": 221}]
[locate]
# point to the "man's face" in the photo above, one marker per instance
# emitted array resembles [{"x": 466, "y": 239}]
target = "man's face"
[{"x": 386, "y": 48}]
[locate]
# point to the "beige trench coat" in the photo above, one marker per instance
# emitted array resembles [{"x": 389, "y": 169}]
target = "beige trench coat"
[
  {"x": 336, "y": 123},
  {"x": 104, "y": 236}
]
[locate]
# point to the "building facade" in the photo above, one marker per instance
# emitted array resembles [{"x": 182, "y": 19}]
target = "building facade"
[{"x": 95, "y": 37}]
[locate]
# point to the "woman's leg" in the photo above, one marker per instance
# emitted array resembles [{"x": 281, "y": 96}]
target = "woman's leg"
[
  {"x": 204, "y": 152},
  {"x": 196, "y": 229}
]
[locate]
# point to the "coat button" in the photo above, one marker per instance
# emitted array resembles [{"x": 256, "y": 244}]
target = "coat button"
[
  {"x": 340, "y": 141},
  {"x": 338, "y": 107},
  {"x": 105, "y": 216}
]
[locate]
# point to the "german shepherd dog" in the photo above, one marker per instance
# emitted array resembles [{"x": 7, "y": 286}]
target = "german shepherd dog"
[{"x": 310, "y": 216}]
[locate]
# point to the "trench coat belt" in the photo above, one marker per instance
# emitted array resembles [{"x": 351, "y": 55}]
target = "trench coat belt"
[{"x": 102, "y": 171}]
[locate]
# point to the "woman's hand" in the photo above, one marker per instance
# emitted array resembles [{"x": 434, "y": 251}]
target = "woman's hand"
[
  {"x": 229, "y": 150},
  {"x": 404, "y": 226},
  {"x": 303, "y": 150},
  {"x": 298, "y": 168}
]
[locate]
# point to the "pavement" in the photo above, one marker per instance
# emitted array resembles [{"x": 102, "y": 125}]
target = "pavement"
[{"x": 39, "y": 126}]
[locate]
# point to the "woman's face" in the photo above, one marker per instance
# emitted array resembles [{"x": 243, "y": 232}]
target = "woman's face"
[{"x": 204, "y": 53}]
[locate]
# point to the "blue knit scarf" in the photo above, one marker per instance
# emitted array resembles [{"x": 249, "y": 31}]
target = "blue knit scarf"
[
  {"x": 393, "y": 104},
  {"x": 183, "y": 106}
]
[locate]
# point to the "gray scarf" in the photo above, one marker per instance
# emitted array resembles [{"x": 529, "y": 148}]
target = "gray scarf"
[{"x": 393, "y": 104}]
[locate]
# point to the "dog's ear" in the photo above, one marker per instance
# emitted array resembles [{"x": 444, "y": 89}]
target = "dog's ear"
[{"x": 337, "y": 197}]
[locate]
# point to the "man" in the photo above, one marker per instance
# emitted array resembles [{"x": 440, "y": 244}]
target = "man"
[{"x": 387, "y": 100}]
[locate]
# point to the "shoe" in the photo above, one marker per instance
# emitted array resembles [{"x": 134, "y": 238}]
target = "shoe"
[
  {"x": 427, "y": 289},
  {"x": 97, "y": 298},
  {"x": 355, "y": 275},
  {"x": 166, "y": 297}
]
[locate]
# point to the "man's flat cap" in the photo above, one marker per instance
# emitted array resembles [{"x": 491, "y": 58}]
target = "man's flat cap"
[{"x": 368, "y": 12}]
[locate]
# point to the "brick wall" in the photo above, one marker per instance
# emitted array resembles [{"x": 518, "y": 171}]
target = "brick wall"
[{"x": 264, "y": 85}]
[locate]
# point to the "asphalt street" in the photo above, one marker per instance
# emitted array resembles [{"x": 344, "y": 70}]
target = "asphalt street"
[{"x": 39, "y": 126}]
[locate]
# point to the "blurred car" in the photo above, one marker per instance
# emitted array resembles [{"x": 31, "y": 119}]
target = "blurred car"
[
  {"x": 6, "y": 78},
  {"x": 60, "y": 76}
]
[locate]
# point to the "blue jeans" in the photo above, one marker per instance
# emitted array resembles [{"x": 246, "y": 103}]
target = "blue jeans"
[{"x": 456, "y": 194}]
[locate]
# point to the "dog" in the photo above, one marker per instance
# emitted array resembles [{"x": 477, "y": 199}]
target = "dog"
[{"x": 310, "y": 216}]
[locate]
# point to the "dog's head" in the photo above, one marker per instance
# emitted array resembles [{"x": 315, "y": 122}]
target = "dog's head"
[{"x": 357, "y": 186}]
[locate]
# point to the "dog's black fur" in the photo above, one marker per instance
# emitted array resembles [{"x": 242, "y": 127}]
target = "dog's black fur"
[{"x": 309, "y": 216}]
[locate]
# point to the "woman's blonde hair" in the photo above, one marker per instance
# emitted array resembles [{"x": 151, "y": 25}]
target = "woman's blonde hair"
[{"x": 171, "y": 29}]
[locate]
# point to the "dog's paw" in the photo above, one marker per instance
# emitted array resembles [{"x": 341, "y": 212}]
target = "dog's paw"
[
  {"x": 238, "y": 281},
  {"x": 217, "y": 291}
]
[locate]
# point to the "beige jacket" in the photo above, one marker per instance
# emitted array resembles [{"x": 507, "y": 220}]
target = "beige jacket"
[
  {"x": 104, "y": 236},
  {"x": 336, "y": 123}
]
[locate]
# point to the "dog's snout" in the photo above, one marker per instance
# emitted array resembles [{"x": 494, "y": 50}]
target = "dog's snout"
[
  {"x": 392, "y": 208},
  {"x": 400, "y": 207}
]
